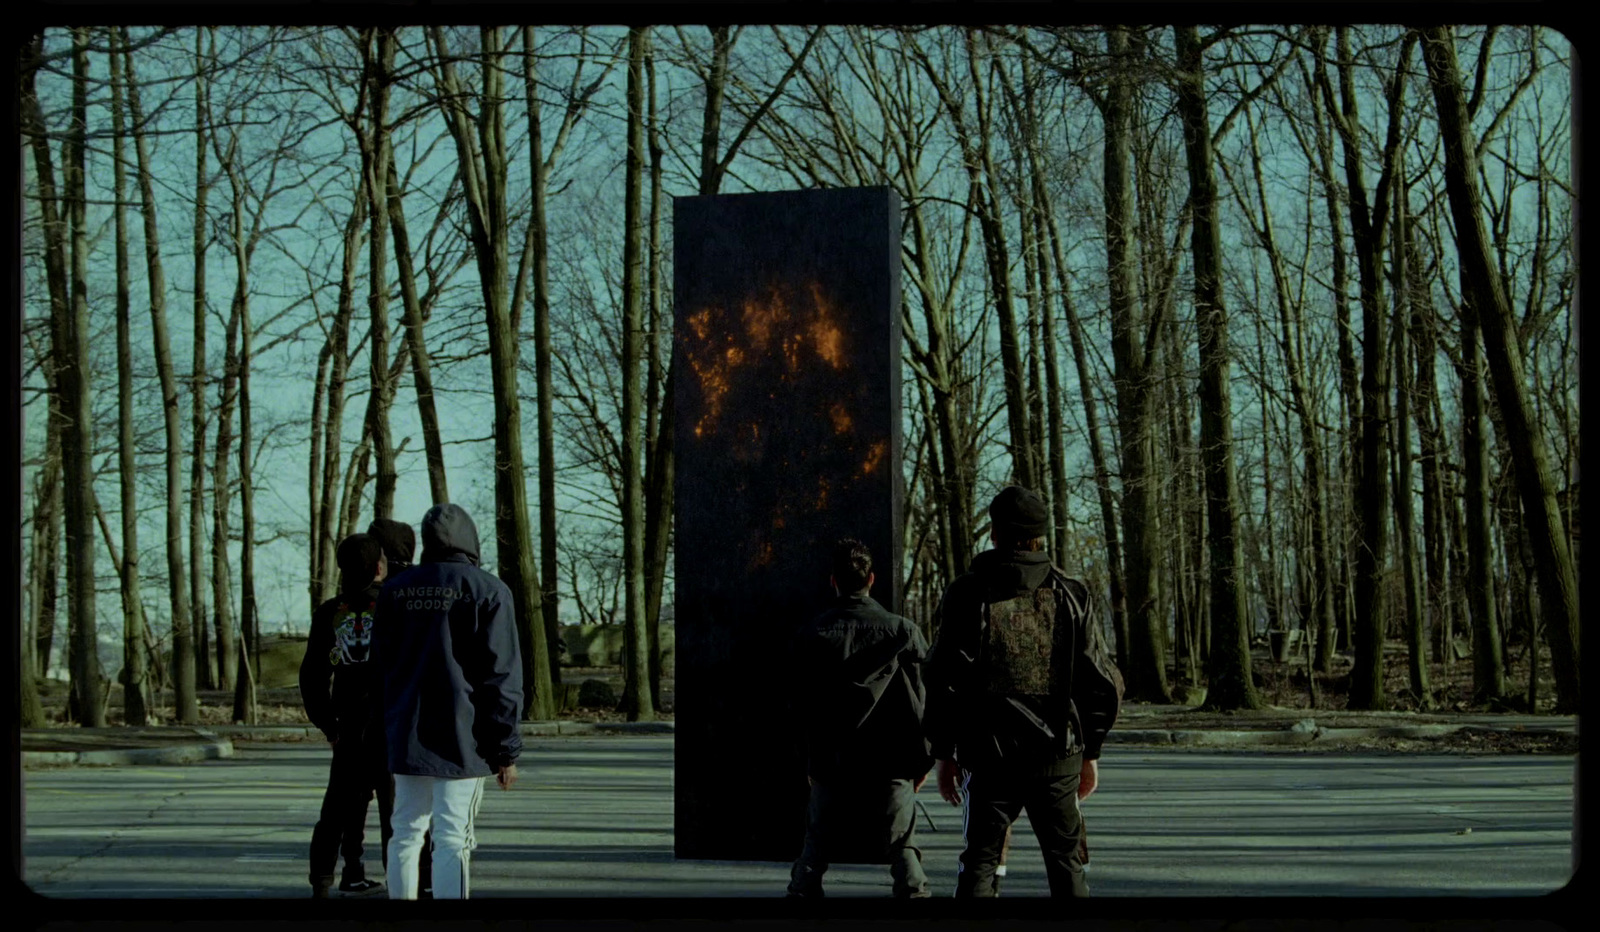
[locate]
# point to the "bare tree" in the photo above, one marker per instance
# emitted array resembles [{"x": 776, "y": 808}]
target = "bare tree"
[
  {"x": 226, "y": 661},
  {"x": 1231, "y": 684},
  {"x": 1557, "y": 582},
  {"x": 483, "y": 169},
  {"x": 177, "y": 585},
  {"x": 1405, "y": 524},
  {"x": 135, "y": 681},
  {"x": 70, "y": 338},
  {"x": 636, "y": 698},
  {"x": 1369, "y": 220}
]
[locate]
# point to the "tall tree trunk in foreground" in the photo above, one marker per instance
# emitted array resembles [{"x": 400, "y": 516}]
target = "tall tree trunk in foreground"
[
  {"x": 538, "y": 229},
  {"x": 482, "y": 160},
  {"x": 1558, "y": 588},
  {"x": 1368, "y": 220},
  {"x": 225, "y": 661},
  {"x": 183, "y": 649},
  {"x": 1231, "y": 684},
  {"x": 77, "y": 439},
  {"x": 375, "y": 165},
  {"x": 1405, "y": 525},
  {"x": 1146, "y": 670},
  {"x": 636, "y": 699},
  {"x": 136, "y": 702}
]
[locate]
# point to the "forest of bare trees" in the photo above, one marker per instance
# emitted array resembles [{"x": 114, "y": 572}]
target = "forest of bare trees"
[{"x": 1280, "y": 320}]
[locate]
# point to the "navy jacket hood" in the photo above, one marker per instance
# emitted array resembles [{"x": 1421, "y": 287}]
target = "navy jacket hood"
[{"x": 447, "y": 530}]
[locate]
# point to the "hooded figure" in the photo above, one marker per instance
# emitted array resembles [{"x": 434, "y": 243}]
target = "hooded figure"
[
  {"x": 1021, "y": 695},
  {"x": 452, "y": 698}
]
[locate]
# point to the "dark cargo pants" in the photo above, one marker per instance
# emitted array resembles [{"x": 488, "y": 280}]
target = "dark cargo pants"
[
  {"x": 342, "y": 823},
  {"x": 993, "y": 798},
  {"x": 868, "y": 822},
  {"x": 357, "y": 775}
]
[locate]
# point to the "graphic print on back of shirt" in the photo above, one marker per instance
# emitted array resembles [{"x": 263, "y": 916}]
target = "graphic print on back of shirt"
[{"x": 352, "y": 634}]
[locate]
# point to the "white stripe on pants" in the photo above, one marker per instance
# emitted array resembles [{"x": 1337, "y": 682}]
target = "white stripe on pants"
[{"x": 450, "y": 805}]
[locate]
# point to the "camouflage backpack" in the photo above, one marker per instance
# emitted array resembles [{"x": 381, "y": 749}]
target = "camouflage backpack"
[
  {"x": 1022, "y": 653},
  {"x": 1028, "y": 650}
]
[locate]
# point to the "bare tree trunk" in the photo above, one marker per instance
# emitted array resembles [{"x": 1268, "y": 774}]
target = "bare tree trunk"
[
  {"x": 1557, "y": 580},
  {"x": 1024, "y": 469},
  {"x": 1349, "y": 381},
  {"x": 484, "y": 175},
  {"x": 48, "y": 512},
  {"x": 244, "y": 697},
  {"x": 1146, "y": 668},
  {"x": 244, "y": 703},
  {"x": 319, "y": 402},
  {"x": 636, "y": 700},
  {"x": 1488, "y": 672},
  {"x": 1039, "y": 210},
  {"x": 228, "y": 652},
  {"x": 325, "y": 574},
  {"x": 656, "y": 495},
  {"x": 197, "y": 390},
  {"x": 77, "y": 440},
  {"x": 135, "y": 680},
  {"x": 1102, "y": 474},
  {"x": 183, "y": 649},
  {"x": 374, "y": 167},
  {"x": 538, "y": 230},
  {"x": 1231, "y": 684},
  {"x": 1405, "y": 523},
  {"x": 1368, "y": 221},
  {"x": 43, "y": 568},
  {"x": 1424, "y": 340},
  {"x": 955, "y": 488},
  {"x": 421, "y": 370}
]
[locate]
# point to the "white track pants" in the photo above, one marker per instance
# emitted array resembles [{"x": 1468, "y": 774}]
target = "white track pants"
[{"x": 450, "y": 805}]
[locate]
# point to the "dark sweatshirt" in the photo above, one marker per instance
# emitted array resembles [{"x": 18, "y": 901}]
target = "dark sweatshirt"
[
  {"x": 982, "y": 729},
  {"x": 339, "y": 650},
  {"x": 860, "y": 697},
  {"x": 452, "y": 668}
]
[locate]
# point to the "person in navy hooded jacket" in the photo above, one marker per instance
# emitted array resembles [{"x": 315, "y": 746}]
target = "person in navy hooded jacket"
[{"x": 452, "y": 687}]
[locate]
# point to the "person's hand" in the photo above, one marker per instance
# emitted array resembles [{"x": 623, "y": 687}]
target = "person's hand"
[
  {"x": 1088, "y": 778},
  {"x": 948, "y": 773},
  {"x": 505, "y": 776}
]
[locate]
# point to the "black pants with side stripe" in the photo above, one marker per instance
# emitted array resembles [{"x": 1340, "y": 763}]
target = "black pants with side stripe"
[{"x": 993, "y": 798}]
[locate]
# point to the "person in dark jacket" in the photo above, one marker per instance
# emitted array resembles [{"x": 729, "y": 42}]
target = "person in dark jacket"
[
  {"x": 452, "y": 687},
  {"x": 338, "y": 653},
  {"x": 1021, "y": 696},
  {"x": 861, "y": 700},
  {"x": 399, "y": 543}
]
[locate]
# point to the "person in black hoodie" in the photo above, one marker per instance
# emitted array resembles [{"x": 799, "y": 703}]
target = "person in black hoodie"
[
  {"x": 1021, "y": 695},
  {"x": 452, "y": 688},
  {"x": 861, "y": 699},
  {"x": 399, "y": 543},
  {"x": 339, "y": 650}
]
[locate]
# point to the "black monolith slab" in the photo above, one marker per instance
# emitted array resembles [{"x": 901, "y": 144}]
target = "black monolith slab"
[{"x": 787, "y": 437}]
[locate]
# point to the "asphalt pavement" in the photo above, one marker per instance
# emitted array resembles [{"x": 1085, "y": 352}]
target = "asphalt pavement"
[{"x": 592, "y": 817}]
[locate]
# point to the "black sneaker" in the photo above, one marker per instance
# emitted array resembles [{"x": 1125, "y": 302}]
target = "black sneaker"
[{"x": 362, "y": 887}]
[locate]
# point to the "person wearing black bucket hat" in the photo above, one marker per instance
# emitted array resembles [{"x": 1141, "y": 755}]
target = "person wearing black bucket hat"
[{"x": 1021, "y": 694}]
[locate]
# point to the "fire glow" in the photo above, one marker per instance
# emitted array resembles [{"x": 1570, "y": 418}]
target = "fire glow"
[{"x": 766, "y": 327}]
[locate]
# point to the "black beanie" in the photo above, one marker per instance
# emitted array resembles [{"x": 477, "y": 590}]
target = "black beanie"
[{"x": 1019, "y": 513}]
